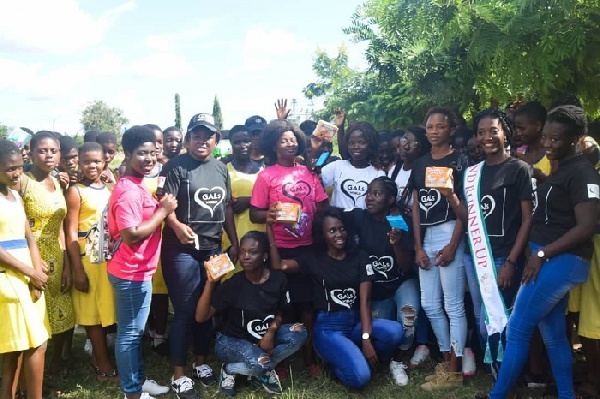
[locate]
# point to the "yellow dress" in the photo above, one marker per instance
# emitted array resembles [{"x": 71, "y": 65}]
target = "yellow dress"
[
  {"x": 241, "y": 186},
  {"x": 97, "y": 306},
  {"x": 544, "y": 165},
  {"x": 24, "y": 324},
  {"x": 46, "y": 211},
  {"x": 589, "y": 317},
  {"x": 159, "y": 286}
]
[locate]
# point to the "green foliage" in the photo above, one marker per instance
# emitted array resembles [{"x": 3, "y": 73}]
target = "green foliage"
[
  {"x": 3, "y": 130},
  {"x": 177, "y": 111},
  {"x": 465, "y": 54},
  {"x": 216, "y": 111},
  {"x": 97, "y": 115}
]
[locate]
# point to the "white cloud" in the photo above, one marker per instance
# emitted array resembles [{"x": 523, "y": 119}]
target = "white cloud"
[
  {"x": 262, "y": 47},
  {"x": 168, "y": 41},
  {"x": 32, "y": 81},
  {"x": 163, "y": 65},
  {"x": 56, "y": 26}
]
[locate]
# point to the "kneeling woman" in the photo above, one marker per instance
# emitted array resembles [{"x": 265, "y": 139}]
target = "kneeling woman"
[
  {"x": 251, "y": 340},
  {"x": 345, "y": 336}
]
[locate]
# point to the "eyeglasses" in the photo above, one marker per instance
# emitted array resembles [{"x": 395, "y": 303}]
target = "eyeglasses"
[{"x": 410, "y": 144}]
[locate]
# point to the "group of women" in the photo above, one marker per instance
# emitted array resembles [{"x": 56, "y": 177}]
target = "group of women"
[{"x": 513, "y": 224}]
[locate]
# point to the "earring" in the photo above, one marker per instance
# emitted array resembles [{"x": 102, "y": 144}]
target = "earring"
[{"x": 265, "y": 259}]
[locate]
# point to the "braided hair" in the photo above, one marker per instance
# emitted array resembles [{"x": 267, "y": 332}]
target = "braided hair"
[
  {"x": 495, "y": 113},
  {"x": 390, "y": 187},
  {"x": 570, "y": 116}
]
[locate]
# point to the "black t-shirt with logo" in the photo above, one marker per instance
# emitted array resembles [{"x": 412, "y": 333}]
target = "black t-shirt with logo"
[
  {"x": 374, "y": 240},
  {"x": 434, "y": 207},
  {"x": 245, "y": 310},
  {"x": 573, "y": 182},
  {"x": 202, "y": 189},
  {"x": 336, "y": 282},
  {"x": 502, "y": 188}
]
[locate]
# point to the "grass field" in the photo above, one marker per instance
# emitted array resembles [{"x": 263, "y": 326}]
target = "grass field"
[{"x": 80, "y": 382}]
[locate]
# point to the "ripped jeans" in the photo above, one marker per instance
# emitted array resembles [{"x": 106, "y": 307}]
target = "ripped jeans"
[
  {"x": 242, "y": 357},
  {"x": 403, "y": 307}
]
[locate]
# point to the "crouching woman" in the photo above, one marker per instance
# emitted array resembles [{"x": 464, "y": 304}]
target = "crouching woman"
[{"x": 251, "y": 340}]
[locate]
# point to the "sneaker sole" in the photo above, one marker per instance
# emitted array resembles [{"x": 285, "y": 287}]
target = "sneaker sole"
[{"x": 272, "y": 391}]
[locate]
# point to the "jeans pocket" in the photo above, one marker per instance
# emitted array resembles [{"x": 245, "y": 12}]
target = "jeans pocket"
[{"x": 8, "y": 294}]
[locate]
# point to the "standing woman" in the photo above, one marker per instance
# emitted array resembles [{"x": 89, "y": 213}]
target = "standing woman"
[
  {"x": 564, "y": 219},
  {"x": 22, "y": 280},
  {"x": 285, "y": 181},
  {"x": 191, "y": 236},
  {"x": 243, "y": 173},
  {"x": 438, "y": 238},
  {"x": 46, "y": 208},
  {"x": 500, "y": 190},
  {"x": 135, "y": 216}
]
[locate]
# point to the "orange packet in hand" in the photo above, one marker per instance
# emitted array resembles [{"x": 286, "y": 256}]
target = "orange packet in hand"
[
  {"x": 218, "y": 265},
  {"x": 438, "y": 177},
  {"x": 288, "y": 212},
  {"x": 325, "y": 130}
]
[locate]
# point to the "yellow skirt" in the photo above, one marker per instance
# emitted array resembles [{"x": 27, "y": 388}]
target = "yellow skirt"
[
  {"x": 24, "y": 324},
  {"x": 97, "y": 306},
  {"x": 589, "y": 317},
  {"x": 158, "y": 281}
]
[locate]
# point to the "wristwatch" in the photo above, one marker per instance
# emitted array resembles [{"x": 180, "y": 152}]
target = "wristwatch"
[
  {"x": 366, "y": 336},
  {"x": 542, "y": 255}
]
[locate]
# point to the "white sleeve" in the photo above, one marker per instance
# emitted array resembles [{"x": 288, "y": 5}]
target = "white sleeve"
[{"x": 328, "y": 174}]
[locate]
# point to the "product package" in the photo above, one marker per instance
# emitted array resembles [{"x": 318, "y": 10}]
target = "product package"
[
  {"x": 438, "y": 177},
  {"x": 288, "y": 212},
  {"x": 218, "y": 265},
  {"x": 325, "y": 130}
]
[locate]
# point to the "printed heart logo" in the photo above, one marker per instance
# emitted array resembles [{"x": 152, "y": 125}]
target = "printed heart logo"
[
  {"x": 297, "y": 191},
  {"x": 428, "y": 198},
  {"x": 354, "y": 189},
  {"x": 382, "y": 265},
  {"x": 488, "y": 204},
  {"x": 209, "y": 198},
  {"x": 345, "y": 297},
  {"x": 257, "y": 327}
]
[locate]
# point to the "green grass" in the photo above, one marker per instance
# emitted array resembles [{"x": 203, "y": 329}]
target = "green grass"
[{"x": 80, "y": 382}]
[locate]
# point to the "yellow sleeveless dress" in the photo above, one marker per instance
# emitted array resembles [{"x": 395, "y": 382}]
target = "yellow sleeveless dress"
[
  {"x": 46, "y": 211},
  {"x": 241, "y": 186},
  {"x": 97, "y": 306},
  {"x": 24, "y": 324},
  {"x": 159, "y": 286}
]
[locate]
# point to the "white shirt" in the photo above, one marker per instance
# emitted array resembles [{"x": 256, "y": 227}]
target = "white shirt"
[{"x": 350, "y": 183}]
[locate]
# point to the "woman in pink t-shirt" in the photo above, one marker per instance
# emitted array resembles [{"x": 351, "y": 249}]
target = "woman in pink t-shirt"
[
  {"x": 136, "y": 217},
  {"x": 285, "y": 181}
]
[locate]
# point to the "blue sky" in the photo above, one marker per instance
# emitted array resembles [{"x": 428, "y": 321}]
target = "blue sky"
[{"x": 56, "y": 56}]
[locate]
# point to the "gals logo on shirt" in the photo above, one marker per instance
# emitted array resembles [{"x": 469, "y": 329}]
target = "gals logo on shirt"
[
  {"x": 257, "y": 327},
  {"x": 209, "y": 198},
  {"x": 298, "y": 191},
  {"x": 354, "y": 189},
  {"x": 344, "y": 297},
  {"x": 382, "y": 265},
  {"x": 428, "y": 199}
]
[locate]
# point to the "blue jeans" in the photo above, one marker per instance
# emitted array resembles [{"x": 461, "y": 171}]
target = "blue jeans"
[
  {"x": 241, "y": 357},
  {"x": 185, "y": 275},
  {"x": 543, "y": 303},
  {"x": 403, "y": 307},
  {"x": 443, "y": 289},
  {"x": 132, "y": 300},
  {"x": 508, "y": 295},
  {"x": 337, "y": 339}
]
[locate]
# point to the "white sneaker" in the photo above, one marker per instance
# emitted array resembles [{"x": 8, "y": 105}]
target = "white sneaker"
[
  {"x": 183, "y": 387},
  {"x": 421, "y": 354},
  {"x": 144, "y": 396},
  {"x": 153, "y": 388},
  {"x": 398, "y": 371},
  {"x": 469, "y": 367},
  {"x": 87, "y": 348}
]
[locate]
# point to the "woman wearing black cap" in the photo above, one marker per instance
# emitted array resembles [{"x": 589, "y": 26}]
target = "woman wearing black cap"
[{"x": 192, "y": 235}]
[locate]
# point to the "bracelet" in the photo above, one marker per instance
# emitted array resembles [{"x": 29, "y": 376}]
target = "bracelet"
[{"x": 509, "y": 261}]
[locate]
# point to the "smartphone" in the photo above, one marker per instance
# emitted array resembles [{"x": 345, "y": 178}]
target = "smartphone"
[{"x": 322, "y": 159}]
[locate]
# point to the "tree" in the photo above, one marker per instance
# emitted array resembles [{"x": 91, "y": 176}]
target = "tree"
[
  {"x": 177, "y": 111},
  {"x": 3, "y": 130},
  {"x": 470, "y": 55},
  {"x": 99, "y": 116},
  {"x": 217, "y": 113}
]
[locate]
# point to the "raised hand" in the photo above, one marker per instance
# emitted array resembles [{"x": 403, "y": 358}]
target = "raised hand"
[{"x": 281, "y": 108}]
